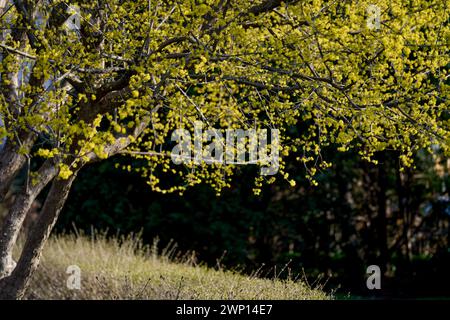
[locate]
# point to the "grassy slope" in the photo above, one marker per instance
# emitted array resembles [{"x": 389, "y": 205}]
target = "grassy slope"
[{"x": 113, "y": 269}]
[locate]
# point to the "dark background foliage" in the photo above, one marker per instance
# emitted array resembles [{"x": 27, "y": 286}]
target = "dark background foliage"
[{"x": 360, "y": 214}]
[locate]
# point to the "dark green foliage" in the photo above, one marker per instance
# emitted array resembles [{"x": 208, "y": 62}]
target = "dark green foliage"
[{"x": 332, "y": 230}]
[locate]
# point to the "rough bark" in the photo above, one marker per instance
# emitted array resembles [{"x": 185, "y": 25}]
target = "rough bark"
[
  {"x": 11, "y": 161},
  {"x": 14, "y": 286},
  {"x": 13, "y": 222}
]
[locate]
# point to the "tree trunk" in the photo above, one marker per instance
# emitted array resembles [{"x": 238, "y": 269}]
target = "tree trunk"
[
  {"x": 13, "y": 222},
  {"x": 14, "y": 286},
  {"x": 11, "y": 161}
]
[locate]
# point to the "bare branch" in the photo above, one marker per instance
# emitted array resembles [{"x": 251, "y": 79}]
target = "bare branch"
[{"x": 16, "y": 51}]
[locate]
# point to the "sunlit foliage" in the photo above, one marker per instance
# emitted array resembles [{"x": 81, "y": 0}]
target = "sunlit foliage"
[{"x": 318, "y": 71}]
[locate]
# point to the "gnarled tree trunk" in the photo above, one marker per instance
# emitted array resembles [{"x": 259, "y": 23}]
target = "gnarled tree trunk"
[
  {"x": 14, "y": 286},
  {"x": 13, "y": 222},
  {"x": 11, "y": 161}
]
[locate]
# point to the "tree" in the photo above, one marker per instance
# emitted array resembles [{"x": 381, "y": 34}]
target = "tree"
[{"x": 87, "y": 81}]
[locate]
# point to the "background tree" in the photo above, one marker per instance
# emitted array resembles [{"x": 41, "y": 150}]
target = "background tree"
[
  {"x": 328, "y": 232},
  {"x": 135, "y": 71}
]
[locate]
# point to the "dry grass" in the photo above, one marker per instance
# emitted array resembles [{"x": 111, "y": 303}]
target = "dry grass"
[{"x": 125, "y": 269}]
